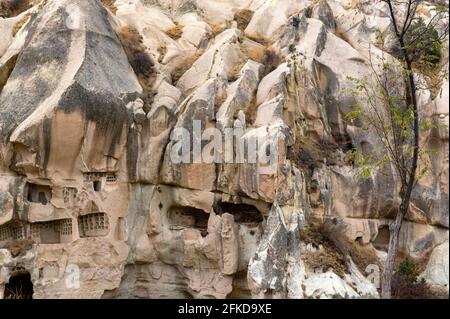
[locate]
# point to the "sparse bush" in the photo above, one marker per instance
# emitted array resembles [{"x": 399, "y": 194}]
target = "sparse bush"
[
  {"x": 328, "y": 257},
  {"x": 12, "y": 8},
  {"x": 406, "y": 283},
  {"x": 308, "y": 153},
  {"x": 141, "y": 62},
  {"x": 408, "y": 268},
  {"x": 423, "y": 44},
  {"x": 425, "y": 47}
]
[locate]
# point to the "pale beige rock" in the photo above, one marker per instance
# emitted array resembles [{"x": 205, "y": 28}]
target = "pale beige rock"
[
  {"x": 230, "y": 244},
  {"x": 92, "y": 204},
  {"x": 135, "y": 13},
  {"x": 270, "y": 16},
  {"x": 436, "y": 272},
  {"x": 221, "y": 60}
]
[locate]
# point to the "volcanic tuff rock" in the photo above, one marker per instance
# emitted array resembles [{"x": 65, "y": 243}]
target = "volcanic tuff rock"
[{"x": 92, "y": 204}]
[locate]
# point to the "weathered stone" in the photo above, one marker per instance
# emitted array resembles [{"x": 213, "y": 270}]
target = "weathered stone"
[
  {"x": 94, "y": 204},
  {"x": 436, "y": 272}
]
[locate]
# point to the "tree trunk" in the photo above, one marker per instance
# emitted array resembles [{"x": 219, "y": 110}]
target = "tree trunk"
[
  {"x": 386, "y": 280},
  {"x": 394, "y": 228}
]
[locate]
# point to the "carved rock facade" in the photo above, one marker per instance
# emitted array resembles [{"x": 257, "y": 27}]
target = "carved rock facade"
[{"x": 92, "y": 204}]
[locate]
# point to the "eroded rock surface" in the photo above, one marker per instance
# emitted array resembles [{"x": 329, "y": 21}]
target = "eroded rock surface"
[{"x": 93, "y": 205}]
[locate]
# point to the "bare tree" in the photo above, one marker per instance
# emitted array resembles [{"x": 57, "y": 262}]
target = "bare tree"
[{"x": 393, "y": 112}]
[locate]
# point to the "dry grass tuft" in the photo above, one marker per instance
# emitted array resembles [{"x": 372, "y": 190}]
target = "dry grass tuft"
[
  {"x": 328, "y": 257},
  {"x": 353, "y": 5},
  {"x": 12, "y": 8},
  {"x": 216, "y": 28},
  {"x": 308, "y": 154},
  {"x": 187, "y": 63},
  {"x": 20, "y": 247},
  {"x": 141, "y": 62},
  {"x": 110, "y": 4},
  {"x": 176, "y": 32},
  {"x": 243, "y": 18},
  {"x": 20, "y": 24},
  {"x": 362, "y": 255}
]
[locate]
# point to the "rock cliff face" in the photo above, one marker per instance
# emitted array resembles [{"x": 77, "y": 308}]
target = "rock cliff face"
[{"x": 93, "y": 205}]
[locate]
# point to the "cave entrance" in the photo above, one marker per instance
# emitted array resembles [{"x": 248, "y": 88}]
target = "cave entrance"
[
  {"x": 19, "y": 287},
  {"x": 381, "y": 242},
  {"x": 243, "y": 213},
  {"x": 41, "y": 194},
  {"x": 189, "y": 217}
]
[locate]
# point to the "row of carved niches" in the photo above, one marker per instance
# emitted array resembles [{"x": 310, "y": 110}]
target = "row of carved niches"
[
  {"x": 55, "y": 231},
  {"x": 93, "y": 225},
  {"x": 181, "y": 217},
  {"x": 42, "y": 194},
  {"x": 101, "y": 181},
  {"x": 52, "y": 232},
  {"x": 11, "y": 231}
]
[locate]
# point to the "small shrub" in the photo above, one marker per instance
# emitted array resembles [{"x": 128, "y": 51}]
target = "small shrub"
[
  {"x": 423, "y": 45},
  {"x": 425, "y": 49},
  {"x": 12, "y": 8},
  {"x": 406, "y": 283},
  {"x": 408, "y": 268}
]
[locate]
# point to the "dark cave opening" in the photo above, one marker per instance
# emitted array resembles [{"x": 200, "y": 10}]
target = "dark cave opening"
[
  {"x": 39, "y": 193},
  {"x": 243, "y": 213},
  {"x": 97, "y": 185},
  {"x": 189, "y": 217},
  {"x": 381, "y": 242},
  {"x": 19, "y": 287}
]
